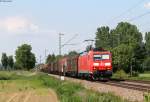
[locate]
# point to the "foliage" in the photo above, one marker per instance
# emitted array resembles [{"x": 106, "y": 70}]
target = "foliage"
[
  {"x": 73, "y": 92},
  {"x": 72, "y": 53},
  {"x": 146, "y": 64},
  {"x": 18, "y": 66},
  {"x": 24, "y": 57},
  {"x": 88, "y": 48},
  {"x": 66, "y": 91},
  {"x": 122, "y": 56},
  {"x": 50, "y": 58},
  {"x": 147, "y": 44},
  {"x": 128, "y": 34},
  {"x": 4, "y": 60},
  {"x": 120, "y": 74},
  {"x": 125, "y": 42},
  {"x": 103, "y": 38},
  {"x": 147, "y": 97},
  {"x": 139, "y": 57},
  {"x": 135, "y": 74},
  {"x": 10, "y": 61}
]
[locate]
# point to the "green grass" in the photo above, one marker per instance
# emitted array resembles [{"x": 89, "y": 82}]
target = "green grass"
[
  {"x": 66, "y": 91},
  {"x": 142, "y": 76},
  {"x": 147, "y": 97}
]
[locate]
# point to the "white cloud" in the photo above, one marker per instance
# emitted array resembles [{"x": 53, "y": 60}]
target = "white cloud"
[
  {"x": 17, "y": 24},
  {"x": 34, "y": 28},
  {"x": 147, "y": 5}
]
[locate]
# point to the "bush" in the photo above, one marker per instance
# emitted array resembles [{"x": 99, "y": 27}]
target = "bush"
[
  {"x": 147, "y": 97},
  {"x": 17, "y": 66},
  {"x": 146, "y": 64},
  {"x": 120, "y": 74},
  {"x": 135, "y": 74}
]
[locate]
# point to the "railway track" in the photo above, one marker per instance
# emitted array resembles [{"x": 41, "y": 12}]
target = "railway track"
[
  {"x": 129, "y": 84},
  {"x": 138, "y": 81},
  {"x": 129, "y": 80},
  {"x": 134, "y": 85}
]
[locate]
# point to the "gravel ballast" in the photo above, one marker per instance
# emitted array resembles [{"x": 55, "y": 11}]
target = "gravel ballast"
[{"x": 129, "y": 94}]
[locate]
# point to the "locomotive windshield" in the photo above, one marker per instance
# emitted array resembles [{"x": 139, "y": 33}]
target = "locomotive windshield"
[{"x": 101, "y": 57}]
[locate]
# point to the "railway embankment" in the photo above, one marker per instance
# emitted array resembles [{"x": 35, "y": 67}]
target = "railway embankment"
[{"x": 125, "y": 92}]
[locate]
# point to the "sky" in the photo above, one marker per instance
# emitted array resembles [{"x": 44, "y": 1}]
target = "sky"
[{"x": 38, "y": 22}]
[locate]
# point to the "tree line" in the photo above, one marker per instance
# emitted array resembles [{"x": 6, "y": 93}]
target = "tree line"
[
  {"x": 53, "y": 58},
  {"x": 128, "y": 48},
  {"x": 24, "y": 59}
]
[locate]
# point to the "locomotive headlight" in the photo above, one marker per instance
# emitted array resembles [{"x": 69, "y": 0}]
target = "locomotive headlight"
[
  {"x": 107, "y": 64},
  {"x": 95, "y": 64}
]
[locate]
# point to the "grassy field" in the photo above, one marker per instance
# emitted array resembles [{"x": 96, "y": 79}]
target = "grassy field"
[
  {"x": 23, "y": 87},
  {"x": 27, "y": 83},
  {"x": 141, "y": 76}
]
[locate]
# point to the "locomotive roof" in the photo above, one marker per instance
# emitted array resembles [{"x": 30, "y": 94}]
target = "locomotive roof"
[{"x": 94, "y": 50}]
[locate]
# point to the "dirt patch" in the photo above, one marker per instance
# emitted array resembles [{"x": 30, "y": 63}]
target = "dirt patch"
[{"x": 29, "y": 96}]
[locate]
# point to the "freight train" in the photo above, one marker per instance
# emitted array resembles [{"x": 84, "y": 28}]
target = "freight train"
[{"x": 93, "y": 64}]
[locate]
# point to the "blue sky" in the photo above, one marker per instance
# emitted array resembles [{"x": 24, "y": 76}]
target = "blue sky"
[{"x": 38, "y": 22}]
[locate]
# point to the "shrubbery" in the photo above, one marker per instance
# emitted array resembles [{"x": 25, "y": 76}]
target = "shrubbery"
[
  {"x": 147, "y": 97},
  {"x": 120, "y": 74}
]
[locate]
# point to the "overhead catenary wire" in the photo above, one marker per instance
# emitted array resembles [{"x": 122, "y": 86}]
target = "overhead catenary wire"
[
  {"x": 67, "y": 42},
  {"x": 126, "y": 11},
  {"x": 139, "y": 16}
]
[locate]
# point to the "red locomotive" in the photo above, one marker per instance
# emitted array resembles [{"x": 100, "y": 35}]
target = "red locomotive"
[{"x": 94, "y": 64}]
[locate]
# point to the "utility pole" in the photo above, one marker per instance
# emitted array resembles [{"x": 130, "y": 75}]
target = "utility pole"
[
  {"x": 60, "y": 36},
  {"x": 40, "y": 59},
  {"x": 60, "y": 45},
  {"x": 45, "y": 54},
  {"x": 39, "y": 64}
]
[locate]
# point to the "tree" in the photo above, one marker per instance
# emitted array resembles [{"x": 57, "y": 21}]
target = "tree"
[
  {"x": 129, "y": 35},
  {"x": 72, "y": 53},
  {"x": 139, "y": 57},
  {"x": 50, "y": 58},
  {"x": 122, "y": 55},
  {"x": 125, "y": 42},
  {"x": 103, "y": 37},
  {"x": 24, "y": 57},
  {"x": 147, "y": 43},
  {"x": 4, "y": 60},
  {"x": 146, "y": 64},
  {"x": 88, "y": 48},
  {"x": 10, "y": 61}
]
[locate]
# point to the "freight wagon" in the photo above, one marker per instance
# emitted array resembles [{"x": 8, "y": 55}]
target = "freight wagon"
[{"x": 94, "y": 64}]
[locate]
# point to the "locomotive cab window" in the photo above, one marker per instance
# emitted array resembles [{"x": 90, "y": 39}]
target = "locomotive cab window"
[
  {"x": 105, "y": 57},
  {"x": 101, "y": 57}
]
